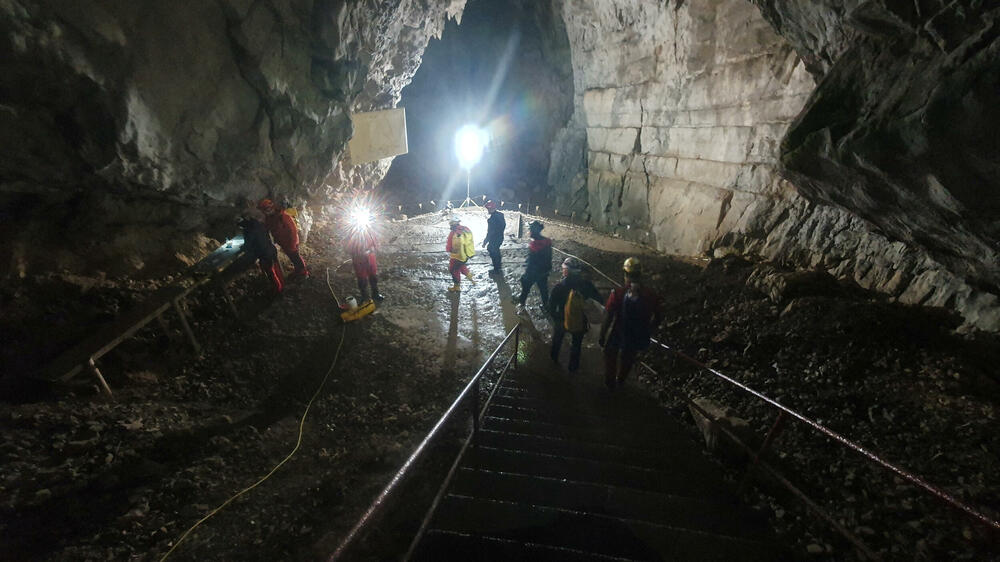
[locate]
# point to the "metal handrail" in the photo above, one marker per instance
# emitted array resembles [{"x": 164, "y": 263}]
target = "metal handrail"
[
  {"x": 938, "y": 492},
  {"x": 933, "y": 490},
  {"x": 471, "y": 388}
]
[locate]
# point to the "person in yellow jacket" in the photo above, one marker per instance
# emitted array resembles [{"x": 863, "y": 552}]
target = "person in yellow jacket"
[{"x": 460, "y": 248}]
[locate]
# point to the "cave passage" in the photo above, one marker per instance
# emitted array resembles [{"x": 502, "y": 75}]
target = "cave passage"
[
  {"x": 812, "y": 187},
  {"x": 501, "y": 70}
]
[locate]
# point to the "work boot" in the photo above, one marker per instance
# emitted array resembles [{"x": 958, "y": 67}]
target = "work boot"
[
  {"x": 471, "y": 280},
  {"x": 456, "y": 288}
]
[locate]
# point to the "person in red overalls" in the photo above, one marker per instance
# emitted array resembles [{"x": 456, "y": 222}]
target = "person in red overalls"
[
  {"x": 285, "y": 233},
  {"x": 460, "y": 249},
  {"x": 362, "y": 244},
  {"x": 630, "y": 316}
]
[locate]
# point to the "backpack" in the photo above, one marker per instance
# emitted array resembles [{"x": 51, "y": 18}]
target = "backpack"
[
  {"x": 574, "y": 320},
  {"x": 466, "y": 246}
]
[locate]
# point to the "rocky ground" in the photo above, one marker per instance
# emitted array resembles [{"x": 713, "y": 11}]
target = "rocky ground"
[{"x": 88, "y": 479}]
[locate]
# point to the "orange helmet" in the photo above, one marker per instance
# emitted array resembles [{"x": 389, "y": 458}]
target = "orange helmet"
[{"x": 265, "y": 205}]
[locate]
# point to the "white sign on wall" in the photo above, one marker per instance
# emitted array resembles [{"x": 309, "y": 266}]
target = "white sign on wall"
[{"x": 378, "y": 135}]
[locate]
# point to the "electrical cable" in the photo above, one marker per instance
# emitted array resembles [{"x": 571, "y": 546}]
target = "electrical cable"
[{"x": 298, "y": 441}]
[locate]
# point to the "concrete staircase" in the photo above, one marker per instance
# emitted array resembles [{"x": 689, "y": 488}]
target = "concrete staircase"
[{"x": 566, "y": 470}]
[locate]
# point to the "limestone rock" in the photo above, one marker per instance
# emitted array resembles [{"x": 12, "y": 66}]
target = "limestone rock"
[
  {"x": 131, "y": 131},
  {"x": 853, "y": 138}
]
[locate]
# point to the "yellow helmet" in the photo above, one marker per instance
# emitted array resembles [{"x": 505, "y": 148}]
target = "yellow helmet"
[{"x": 632, "y": 265}]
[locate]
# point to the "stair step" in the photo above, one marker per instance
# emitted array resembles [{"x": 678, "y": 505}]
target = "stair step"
[
  {"x": 515, "y": 423},
  {"x": 440, "y": 545},
  {"x": 663, "y": 458},
  {"x": 721, "y": 517},
  {"x": 600, "y": 534},
  {"x": 600, "y": 472},
  {"x": 584, "y": 419}
]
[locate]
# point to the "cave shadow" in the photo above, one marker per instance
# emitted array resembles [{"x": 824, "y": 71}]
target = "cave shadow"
[
  {"x": 507, "y": 313},
  {"x": 451, "y": 344}
]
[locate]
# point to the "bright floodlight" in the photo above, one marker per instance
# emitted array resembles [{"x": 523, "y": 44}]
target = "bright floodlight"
[
  {"x": 470, "y": 141},
  {"x": 361, "y": 218}
]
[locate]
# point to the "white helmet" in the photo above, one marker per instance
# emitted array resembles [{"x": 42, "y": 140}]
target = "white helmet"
[{"x": 453, "y": 219}]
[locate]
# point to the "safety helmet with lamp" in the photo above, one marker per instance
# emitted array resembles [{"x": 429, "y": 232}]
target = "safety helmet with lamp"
[
  {"x": 453, "y": 219},
  {"x": 266, "y": 205},
  {"x": 632, "y": 265},
  {"x": 490, "y": 205},
  {"x": 536, "y": 226},
  {"x": 571, "y": 264}
]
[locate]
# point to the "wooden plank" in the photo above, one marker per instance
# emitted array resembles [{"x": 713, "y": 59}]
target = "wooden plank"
[
  {"x": 216, "y": 264},
  {"x": 105, "y": 339}
]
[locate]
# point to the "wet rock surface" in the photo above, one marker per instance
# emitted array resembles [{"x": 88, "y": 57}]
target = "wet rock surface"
[
  {"x": 92, "y": 480},
  {"x": 847, "y": 136},
  {"x": 131, "y": 131}
]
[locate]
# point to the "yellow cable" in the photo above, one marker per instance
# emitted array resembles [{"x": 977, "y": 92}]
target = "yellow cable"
[{"x": 298, "y": 442}]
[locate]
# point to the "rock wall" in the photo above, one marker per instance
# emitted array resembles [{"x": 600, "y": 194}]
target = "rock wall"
[
  {"x": 132, "y": 129},
  {"x": 676, "y": 140}
]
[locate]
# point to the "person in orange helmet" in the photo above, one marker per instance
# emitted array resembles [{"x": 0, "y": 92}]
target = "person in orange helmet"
[{"x": 285, "y": 233}]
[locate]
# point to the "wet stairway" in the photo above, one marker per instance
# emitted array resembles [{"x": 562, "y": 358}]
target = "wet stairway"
[{"x": 565, "y": 470}]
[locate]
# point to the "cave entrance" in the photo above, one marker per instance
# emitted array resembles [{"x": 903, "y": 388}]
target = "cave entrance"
[{"x": 506, "y": 68}]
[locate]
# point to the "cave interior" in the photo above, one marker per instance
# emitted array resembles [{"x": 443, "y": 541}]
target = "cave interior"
[{"x": 814, "y": 188}]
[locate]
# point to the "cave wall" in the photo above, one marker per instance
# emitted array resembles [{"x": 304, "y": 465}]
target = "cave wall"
[
  {"x": 133, "y": 130},
  {"x": 688, "y": 133}
]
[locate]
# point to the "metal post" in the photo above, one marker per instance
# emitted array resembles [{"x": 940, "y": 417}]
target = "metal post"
[
  {"x": 187, "y": 327},
  {"x": 517, "y": 342},
  {"x": 100, "y": 378},
  {"x": 771, "y": 434},
  {"x": 475, "y": 411}
]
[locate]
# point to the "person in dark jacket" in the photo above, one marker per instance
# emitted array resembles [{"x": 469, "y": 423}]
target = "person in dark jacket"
[
  {"x": 583, "y": 289},
  {"x": 285, "y": 232},
  {"x": 630, "y": 316},
  {"x": 495, "y": 226},
  {"x": 362, "y": 245},
  {"x": 257, "y": 244},
  {"x": 538, "y": 266}
]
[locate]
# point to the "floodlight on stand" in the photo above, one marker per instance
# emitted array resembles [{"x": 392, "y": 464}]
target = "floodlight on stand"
[{"x": 470, "y": 142}]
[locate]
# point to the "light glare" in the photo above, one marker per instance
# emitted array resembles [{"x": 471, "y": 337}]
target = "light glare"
[
  {"x": 470, "y": 141},
  {"x": 361, "y": 218}
]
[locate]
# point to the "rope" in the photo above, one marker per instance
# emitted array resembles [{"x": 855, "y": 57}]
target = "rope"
[
  {"x": 298, "y": 441},
  {"x": 617, "y": 284}
]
